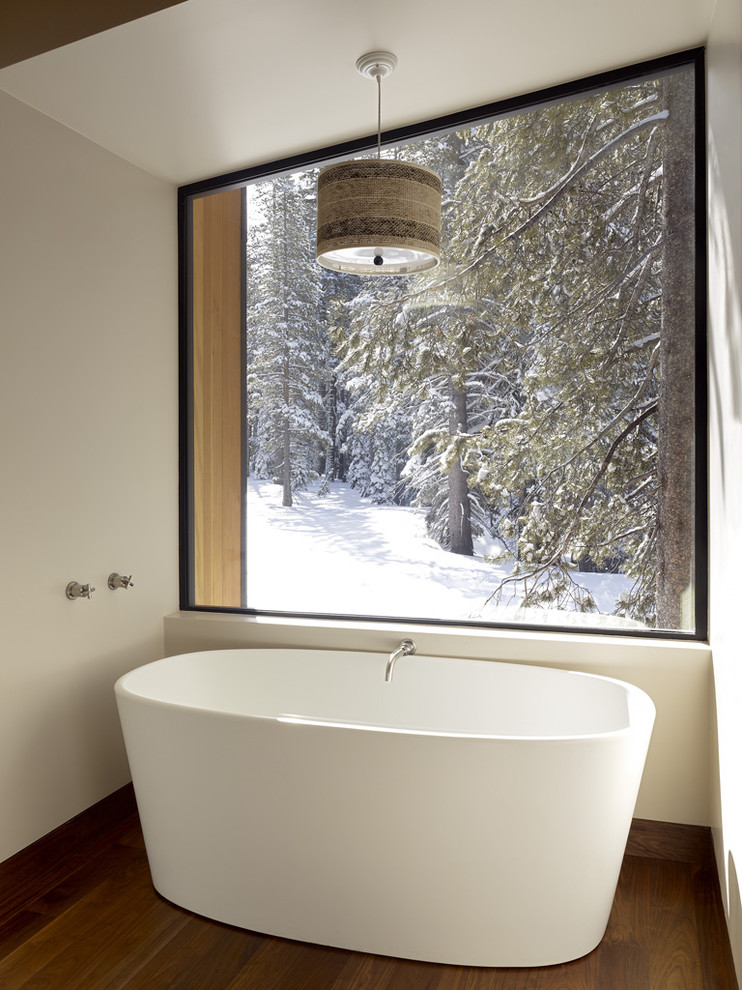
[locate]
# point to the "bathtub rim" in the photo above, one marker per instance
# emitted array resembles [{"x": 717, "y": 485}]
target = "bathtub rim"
[{"x": 641, "y": 709}]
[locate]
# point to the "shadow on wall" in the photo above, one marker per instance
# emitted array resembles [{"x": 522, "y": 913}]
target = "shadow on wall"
[
  {"x": 735, "y": 910},
  {"x": 725, "y": 311},
  {"x": 725, "y": 304}
]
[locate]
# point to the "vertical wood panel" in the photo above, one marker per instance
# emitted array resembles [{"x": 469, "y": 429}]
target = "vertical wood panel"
[{"x": 217, "y": 399}]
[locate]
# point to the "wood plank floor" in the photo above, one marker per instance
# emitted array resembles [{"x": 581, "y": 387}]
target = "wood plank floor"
[{"x": 78, "y": 912}]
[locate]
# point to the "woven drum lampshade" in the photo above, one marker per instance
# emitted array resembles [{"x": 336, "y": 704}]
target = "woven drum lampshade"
[{"x": 378, "y": 217}]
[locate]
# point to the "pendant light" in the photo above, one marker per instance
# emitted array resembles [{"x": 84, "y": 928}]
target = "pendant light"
[{"x": 378, "y": 216}]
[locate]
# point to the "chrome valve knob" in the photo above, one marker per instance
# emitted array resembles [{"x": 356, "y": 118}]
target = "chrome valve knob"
[
  {"x": 119, "y": 581},
  {"x": 77, "y": 590}
]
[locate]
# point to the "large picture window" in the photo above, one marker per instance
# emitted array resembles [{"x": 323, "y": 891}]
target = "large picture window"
[{"x": 516, "y": 437}]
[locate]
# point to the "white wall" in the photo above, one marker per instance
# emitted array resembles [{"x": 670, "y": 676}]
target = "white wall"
[
  {"x": 725, "y": 330},
  {"x": 88, "y": 458}
]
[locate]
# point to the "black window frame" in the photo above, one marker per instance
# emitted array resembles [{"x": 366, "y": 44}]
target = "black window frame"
[{"x": 472, "y": 117}]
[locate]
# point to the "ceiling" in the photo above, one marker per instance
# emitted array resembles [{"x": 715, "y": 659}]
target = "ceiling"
[{"x": 209, "y": 86}]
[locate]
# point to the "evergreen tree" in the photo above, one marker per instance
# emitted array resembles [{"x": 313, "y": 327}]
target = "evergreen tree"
[
  {"x": 337, "y": 291},
  {"x": 380, "y": 410},
  {"x": 573, "y": 245},
  {"x": 286, "y": 344}
]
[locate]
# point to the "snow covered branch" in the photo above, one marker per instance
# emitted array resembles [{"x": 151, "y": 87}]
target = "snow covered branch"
[
  {"x": 555, "y": 559},
  {"x": 585, "y": 167}
]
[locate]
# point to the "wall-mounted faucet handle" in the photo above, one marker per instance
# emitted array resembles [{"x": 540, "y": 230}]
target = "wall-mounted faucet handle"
[
  {"x": 76, "y": 590},
  {"x": 119, "y": 581}
]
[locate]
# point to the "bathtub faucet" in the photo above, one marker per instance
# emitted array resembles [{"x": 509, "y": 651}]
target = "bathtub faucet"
[{"x": 405, "y": 649}]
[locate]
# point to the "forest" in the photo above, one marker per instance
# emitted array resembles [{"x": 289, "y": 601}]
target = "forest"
[{"x": 537, "y": 388}]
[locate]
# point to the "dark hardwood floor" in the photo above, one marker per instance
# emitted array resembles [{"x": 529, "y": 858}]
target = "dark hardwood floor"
[{"x": 78, "y": 912}]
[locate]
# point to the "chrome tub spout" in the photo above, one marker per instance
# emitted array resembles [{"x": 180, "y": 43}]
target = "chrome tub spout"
[{"x": 405, "y": 649}]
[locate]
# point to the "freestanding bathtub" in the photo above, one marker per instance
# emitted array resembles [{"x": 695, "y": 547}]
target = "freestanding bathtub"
[{"x": 468, "y": 812}]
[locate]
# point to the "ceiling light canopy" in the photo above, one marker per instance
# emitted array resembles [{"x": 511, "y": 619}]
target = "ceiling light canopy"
[{"x": 378, "y": 216}]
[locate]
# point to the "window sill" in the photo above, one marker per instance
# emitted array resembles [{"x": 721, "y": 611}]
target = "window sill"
[{"x": 192, "y": 631}]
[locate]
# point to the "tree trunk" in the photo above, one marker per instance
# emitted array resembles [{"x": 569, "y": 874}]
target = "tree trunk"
[
  {"x": 287, "y": 498},
  {"x": 459, "y": 509},
  {"x": 676, "y": 426},
  {"x": 334, "y": 469}
]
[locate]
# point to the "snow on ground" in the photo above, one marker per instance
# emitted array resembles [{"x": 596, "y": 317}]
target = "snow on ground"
[{"x": 343, "y": 555}]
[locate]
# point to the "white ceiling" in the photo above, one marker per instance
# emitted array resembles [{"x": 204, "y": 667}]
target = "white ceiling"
[{"x": 210, "y": 86}]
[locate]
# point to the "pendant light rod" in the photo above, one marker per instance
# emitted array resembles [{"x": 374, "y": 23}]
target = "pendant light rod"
[
  {"x": 378, "y": 125},
  {"x": 377, "y": 65}
]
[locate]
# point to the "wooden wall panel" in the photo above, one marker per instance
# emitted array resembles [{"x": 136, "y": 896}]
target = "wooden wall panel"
[{"x": 217, "y": 399}]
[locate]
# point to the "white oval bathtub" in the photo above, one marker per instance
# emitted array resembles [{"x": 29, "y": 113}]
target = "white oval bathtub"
[{"x": 468, "y": 812}]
